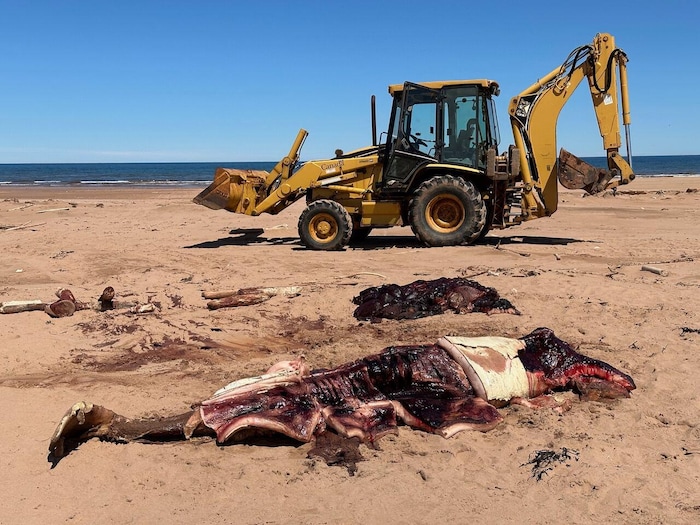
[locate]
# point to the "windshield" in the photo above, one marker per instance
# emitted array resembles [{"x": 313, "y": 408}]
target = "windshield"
[{"x": 468, "y": 126}]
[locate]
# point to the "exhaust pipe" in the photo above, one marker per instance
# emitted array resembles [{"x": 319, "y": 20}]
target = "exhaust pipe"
[{"x": 373, "y": 104}]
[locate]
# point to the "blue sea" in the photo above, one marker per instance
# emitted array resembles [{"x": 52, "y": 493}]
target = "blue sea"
[
  {"x": 200, "y": 174},
  {"x": 185, "y": 174}
]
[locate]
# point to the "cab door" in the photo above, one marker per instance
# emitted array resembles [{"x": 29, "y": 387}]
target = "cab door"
[{"x": 416, "y": 137}]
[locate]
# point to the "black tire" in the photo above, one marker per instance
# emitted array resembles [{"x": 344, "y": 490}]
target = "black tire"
[
  {"x": 487, "y": 224},
  {"x": 325, "y": 225},
  {"x": 359, "y": 234},
  {"x": 447, "y": 211}
]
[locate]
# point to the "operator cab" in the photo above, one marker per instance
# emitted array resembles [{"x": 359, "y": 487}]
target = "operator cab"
[{"x": 438, "y": 122}]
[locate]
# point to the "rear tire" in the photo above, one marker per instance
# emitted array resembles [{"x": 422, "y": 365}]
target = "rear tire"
[
  {"x": 447, "y": 211},
  {"x": 488, "y": 223},
  {"x": 325, "y": 225}
]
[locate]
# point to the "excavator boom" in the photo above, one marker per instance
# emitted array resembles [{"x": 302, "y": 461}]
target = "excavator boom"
[{"x": 534, "y": 114}]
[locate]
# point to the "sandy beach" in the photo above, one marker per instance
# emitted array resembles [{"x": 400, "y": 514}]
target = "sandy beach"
[{"x": 634, "y": 461}]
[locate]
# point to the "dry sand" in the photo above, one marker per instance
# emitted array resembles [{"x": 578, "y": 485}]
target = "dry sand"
[{"x": 578, "y": 273}]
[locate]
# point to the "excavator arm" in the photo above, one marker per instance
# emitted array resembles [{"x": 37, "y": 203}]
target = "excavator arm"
[
  {"x": 254, "y": 192},
  {"x": 534, "y": 114}
]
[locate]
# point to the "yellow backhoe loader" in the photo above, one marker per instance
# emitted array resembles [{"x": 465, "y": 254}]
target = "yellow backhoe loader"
[{"x": 438, "y": 169}]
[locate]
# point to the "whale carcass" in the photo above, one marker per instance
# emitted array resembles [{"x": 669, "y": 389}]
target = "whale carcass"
[
  {"x": 425, "y": 298},
  {"x": 453, "y": 385}
]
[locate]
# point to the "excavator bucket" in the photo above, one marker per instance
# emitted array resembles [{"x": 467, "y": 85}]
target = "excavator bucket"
[
  {"x": 238, "y": 191},
  {"x": 577, "y": 174}
]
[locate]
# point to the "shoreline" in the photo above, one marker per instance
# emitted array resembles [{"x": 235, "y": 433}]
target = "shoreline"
[
  {"x": 132, "y": 191},
  {"x": 95, "y": 192}
]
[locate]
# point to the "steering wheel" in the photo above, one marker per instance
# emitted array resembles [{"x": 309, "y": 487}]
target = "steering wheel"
[{"x": 416, "y": 142}]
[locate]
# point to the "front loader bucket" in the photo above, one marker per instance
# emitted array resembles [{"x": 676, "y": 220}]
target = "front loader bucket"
[
  {"x": 577, "y": 174},
  {"x": 233, "y": 190}
]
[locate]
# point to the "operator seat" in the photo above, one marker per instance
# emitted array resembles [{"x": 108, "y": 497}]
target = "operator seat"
[
  {"x": 463, "y": 140},
  {"x": 464, "y": 145}
]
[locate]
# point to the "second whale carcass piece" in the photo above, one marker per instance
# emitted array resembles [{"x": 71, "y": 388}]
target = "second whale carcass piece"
[{"x": 424, "y": 298}]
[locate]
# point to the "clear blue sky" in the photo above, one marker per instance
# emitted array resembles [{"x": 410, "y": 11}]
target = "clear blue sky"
[{"x": 133, "y": 81}]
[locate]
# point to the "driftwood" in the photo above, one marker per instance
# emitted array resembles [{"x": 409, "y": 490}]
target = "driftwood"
[
  {"x": 501, "y": 248},
  {"x": 653, "y": 269},
  {"x": 28, "y": 205},
  {"x": 358, "y": 274},
  {"x": 247, "y": 296},
  {"x": 53, "y": 209},
  {"x": 22, "y": 226}
]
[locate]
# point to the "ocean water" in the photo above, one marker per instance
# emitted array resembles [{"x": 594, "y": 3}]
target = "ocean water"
[
  {"x": 200, "y": 174},
  {"x": 187, "y": 174},
  {"x": 658, "y": 165}
]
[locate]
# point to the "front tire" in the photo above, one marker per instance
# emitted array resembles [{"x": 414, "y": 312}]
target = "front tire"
[
  {"x": 325, "y": 225},
  {"x": 447, "y": 211}
]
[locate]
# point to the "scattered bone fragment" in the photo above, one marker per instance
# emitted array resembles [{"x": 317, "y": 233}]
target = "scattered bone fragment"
[
  {"x": 274, "y": 290},
  {"x": 61, "y": 308},
  {"x": 13, "y": 307},
  {"x": 65, "y": 294},
  {"x": 67, "y": 304},
  {"x": 143, "y": 308},
  {"x": 106, "y": 300},
  {"x": 247, "y": 296},
  {"x": 237, "y": 300}
]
